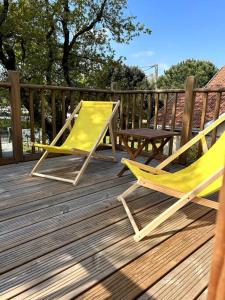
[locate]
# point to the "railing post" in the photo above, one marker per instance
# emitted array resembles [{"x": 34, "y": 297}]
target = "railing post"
[
  {"x": 216, "y": 288},
  {"x": 188, "y": 114},
  {"x": 15, "y": 102},
  {"x": 114, "y": 87},
  {"x": 0, "y": 146}
]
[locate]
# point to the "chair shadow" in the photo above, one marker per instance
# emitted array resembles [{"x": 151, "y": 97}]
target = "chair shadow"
[{"x": 205, "y": 222}]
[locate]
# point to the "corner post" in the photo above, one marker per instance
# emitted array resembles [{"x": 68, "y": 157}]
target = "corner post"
[
  {"x": 114, "y": 87},
  {"x": 217, "y": 273},
  {"x": 15, "y": 102},
  {"x": 188, "y": 114}
]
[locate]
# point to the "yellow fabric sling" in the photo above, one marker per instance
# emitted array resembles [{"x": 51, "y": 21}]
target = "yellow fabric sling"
[
  {"x": 87, "y": 128},
  {"x": 188, "y": 178}
]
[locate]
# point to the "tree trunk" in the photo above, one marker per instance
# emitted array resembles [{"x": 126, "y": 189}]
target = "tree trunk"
[{"x": 65, "y": 66}]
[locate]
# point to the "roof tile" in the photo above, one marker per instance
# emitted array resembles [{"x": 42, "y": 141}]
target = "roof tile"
[{"x": 217, "y": 81}]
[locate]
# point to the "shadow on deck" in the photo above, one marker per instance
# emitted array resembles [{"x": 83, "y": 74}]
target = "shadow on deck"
[{"x": 58, "y": 241}]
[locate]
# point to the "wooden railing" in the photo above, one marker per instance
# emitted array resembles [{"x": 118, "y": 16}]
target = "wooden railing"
[
  {"x": 45, "y": 107},
  {"x": 55, "y": 102},
  {"x": 148, "y": 108}
]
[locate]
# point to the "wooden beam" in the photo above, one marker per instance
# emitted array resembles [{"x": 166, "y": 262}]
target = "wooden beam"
[
  {"x": 184, "y": 199},
  {"x": 114, "y": 123},
  {"x": 15, "y": 101},
  {"x": 188, "y": 113},
  {"x": 144, "y": 167},
  {"x": 0, "y": 147},
  {"x": 216, "y": 282}
]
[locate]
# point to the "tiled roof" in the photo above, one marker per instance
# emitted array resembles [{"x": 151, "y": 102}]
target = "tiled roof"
[{"x": 217, "y": 81}]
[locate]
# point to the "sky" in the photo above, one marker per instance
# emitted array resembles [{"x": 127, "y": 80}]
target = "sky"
[{"x": 181, "y": 29}]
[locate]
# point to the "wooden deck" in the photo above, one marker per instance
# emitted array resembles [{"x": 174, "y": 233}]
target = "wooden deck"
[{"x": 61, "y": 242}]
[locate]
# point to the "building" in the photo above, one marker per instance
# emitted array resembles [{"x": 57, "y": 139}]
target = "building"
[{"x": 217, "y": 81}]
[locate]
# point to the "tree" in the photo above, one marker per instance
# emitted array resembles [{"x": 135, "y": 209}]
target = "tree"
[
  {"x": 63, "y": 40},
  {"x": 25, "y": 33},
  {"x": 176, "y": 75},
  {"x": 127, "y": 77}
]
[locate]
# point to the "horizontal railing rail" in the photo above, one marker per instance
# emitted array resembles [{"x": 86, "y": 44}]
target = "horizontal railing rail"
[
  {"x": 5, "y": 84},
  {"x": 210, "y": 90},
  {"x": 66, "y": 88},
  {"x": 33, "y": 112},
  {"x": 158, "y": 91}
]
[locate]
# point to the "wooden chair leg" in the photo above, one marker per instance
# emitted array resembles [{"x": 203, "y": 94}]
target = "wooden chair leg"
[
  {"x": 121, "y": 172},
  {"x": 85, "y": 164},
  {"x": 162, "y": 217},
  {"x": 179, "y": 204},
  {"x": 129, "y": 190},
  {"x": 112, "y": 142},
  {"x": 39, "y": 163},
  {"x": 129, "y": 214},
  {"x": 132, "y": 155},
  {"x": 80, "y": 164},
  {"x": 77, "y": 178}
]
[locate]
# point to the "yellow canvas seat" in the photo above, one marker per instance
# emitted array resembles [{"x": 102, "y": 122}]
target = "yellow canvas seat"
[
  {"x": 200, "y": 170},
  {"x": 200, "y": 179},
  {"x": 90, "y": 126},
  {"x": 55, "y": 149}
]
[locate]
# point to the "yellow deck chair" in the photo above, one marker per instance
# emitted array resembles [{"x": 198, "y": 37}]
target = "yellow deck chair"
[
  {"x": 94, "y": 118},
  {"x": 193, "y": 183}
]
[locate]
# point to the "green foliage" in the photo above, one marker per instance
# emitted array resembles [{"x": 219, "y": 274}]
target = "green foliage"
[
  {"x": 63, "y": 41},
  {"x": 176, "y": 75},
  {"x": 127, "y": 77}
]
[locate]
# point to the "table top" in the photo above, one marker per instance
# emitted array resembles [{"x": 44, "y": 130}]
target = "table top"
[{"x": 147, "y": 133}]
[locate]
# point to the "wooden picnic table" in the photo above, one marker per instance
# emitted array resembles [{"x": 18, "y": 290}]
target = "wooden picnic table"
[{"x": 144, "y": 137}]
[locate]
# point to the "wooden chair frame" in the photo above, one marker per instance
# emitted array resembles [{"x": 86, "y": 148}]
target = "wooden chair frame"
[
  {"x": 184, "y": 198},
  {"x": 216, "y": 288},
  {"x": 87, "y": 155}
]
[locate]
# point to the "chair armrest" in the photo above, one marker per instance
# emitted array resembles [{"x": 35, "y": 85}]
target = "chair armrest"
[
  {"x": 193, "y": 141},
  {"x": 145, "y": 167}
]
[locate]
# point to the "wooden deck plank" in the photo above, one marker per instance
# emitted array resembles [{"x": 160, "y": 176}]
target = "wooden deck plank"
[
  {"x": 103, "y": 263},
  {"x": 66, "y": 205},
  {"x": 22, "y": 170},
  {"x": 97, "y": 204},
  {"x": 44, "y": 244},
  {"x": 49, "y": 187},
  {"x": 187, "y": 280},
  {"x": 66, "y": 241},
  {"x": 67, "y": 256},
  {"x": 203, "y": 295},
  {"x": 24, "y": 205},
  {"x": 130, "y": 281},
  {"x": 60, "y": 198},
  {"x": 49, "y": 162}
]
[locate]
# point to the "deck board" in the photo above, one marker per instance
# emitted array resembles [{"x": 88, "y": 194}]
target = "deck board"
[
  {"x": 203, "y": 295},
  {"x": 130, "y": 281},
  {"x": 187, "y": 280},
  {"x": 58, "y": 241}
]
